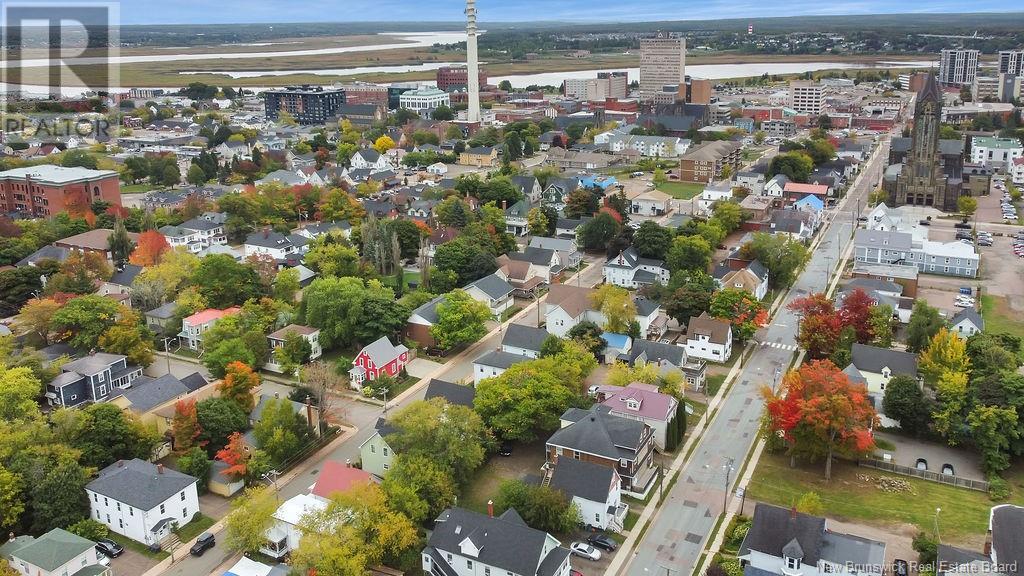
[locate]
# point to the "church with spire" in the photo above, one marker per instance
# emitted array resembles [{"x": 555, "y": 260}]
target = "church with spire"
[{"x": 925, "y": 170}]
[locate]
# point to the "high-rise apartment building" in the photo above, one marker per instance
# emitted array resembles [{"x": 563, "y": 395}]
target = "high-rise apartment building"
[
  {"x": 606, "y": 85},
  {"x": 308, "y": 104},
  {"x": 958, "y": 66},
  {"x": 662, "y": 63},
  {"x": 1011, "y": 62},
  {"x": 806, "y": 97}
]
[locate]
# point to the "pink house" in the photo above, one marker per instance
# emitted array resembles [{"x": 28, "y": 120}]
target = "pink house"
[
  {"x": 192, "y": 327},
  {"x": 642, "y": 402},
  {"x": 380, "y": 357}
]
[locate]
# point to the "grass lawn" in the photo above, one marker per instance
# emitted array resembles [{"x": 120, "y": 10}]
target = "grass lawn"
[
  {"x": 681, "y": 190},
  {"x": 197, "y": 526},
  {"x": 525, "y": 459},
  {"x": 714, "y": 384},
  {"x": 750, "y": 154},
  {"x": 849, "y": 498},
  {"x": 630, "y": 521},
  {"x": 137, "y": 547},
  {"x": 999, "y": 317},
  {"x": 136, "y": 188}
]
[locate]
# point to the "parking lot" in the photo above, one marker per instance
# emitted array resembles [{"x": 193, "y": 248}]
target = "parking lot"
[{"x": 989, "y": 207}]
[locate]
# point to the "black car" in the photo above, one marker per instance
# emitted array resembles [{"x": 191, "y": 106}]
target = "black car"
[
  {"x": 109, "y": 548},
  {"x": 964, "y": 236},
  {"x": 603, "y": 542},
  {"x": 962, "y": 225},
  {"x": 925, "y": 222},
  {"x": 505, "y": 449},
  {"x": 203, "y": 543}
]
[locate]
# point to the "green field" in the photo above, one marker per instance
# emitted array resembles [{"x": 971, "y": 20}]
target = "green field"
[
  {"x": 999, "y": 317},
  {"x": 681, "y": 190},
  {"x": 136, "y": 188},
  {"x": 848, "y": 497}
]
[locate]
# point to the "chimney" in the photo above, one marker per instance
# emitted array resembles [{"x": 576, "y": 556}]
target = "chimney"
[
  {"x": 120, "y": 463},
  {"x": 159, "y": 468},
  {"x": 504, "y": 204},
  {"x": 348, "y": 462},
  {"x": 490, "y": 508}
]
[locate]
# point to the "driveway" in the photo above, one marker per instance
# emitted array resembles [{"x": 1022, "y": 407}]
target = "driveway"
[
  {"x": 131, "y": 562},
  {"x": 421, "y": 367}
]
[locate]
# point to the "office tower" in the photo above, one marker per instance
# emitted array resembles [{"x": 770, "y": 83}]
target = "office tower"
[
  {"x": 662, "y": 63},
  {"x": 958, "y": 67}
]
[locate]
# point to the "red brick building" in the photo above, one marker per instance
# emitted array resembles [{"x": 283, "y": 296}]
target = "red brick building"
[
  {"x": 46, "y": 190},
  {"x": 364, "y": 93},
  {"x": 452, "y": 77}
]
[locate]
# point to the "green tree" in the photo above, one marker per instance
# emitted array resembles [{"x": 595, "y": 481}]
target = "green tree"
[
  {"x": 252, "y": 514},
  {"x": 537, "y": 222},
  {"x": 223, "y": 282},
  {"x": 541, "y": 507},
  {"x": 728, "y": 214},
  {"x": 460, "y": 320},
  {"x": 218, "y": 419},
  {"x": 796, "y": 166},
  {"x": 880, "y": 320},
  {"x": 218, "y": 356},
  {"x": 522, "y": 401},
  {"x": 993, "y": 429},
  {"x": 810, "y": 503},
  {"x": 195, "y": 175},
  {"x": 442, "y": 113},
  {"x": 89, "y": 529},
  {"x": 688, "y": 253},
  {"x": 85, "y": 319},
  {"x": 19, "y": 388},
  {"x": 780, "y": 254},
  {"x": 451, "y": 436},
  {"x": 739, "y": 308},
  {"x": 12, "y": 503},
  {"x": 129, "y": 339},
  {"x": 945, "y": 353},
  {"x": 617, "y": 306},
  {"x": 905, "y": 402},
  {"x": 280, "y": 432},
  {"x": 109, "y": 434},
  {"x": 333, "y": 260},
  {"x": 120, "y": 244},
  {"x": 293, "y": 353},
  {"x": 651, "y": 240},
  {"x": 966, "y": 205},
  {"x": 598, "y": 232},
  {"x": 196, "y": 463},
  {"x": 951, "y": 396},
  {"x": 58, "y": 496},
  {"x": 286, "y": 285},
  {"x": 419, "y": 487},
  {"x": 925, "y": 323},
  {"x": 79, "y": 158}
]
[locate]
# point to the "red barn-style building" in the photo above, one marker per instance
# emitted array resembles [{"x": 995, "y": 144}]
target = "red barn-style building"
[{"x": 380, "y": 357}]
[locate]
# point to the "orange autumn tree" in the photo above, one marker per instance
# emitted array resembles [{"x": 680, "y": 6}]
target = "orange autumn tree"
[
  {"x": 820, "y": 413},
  {"x": 151, "y": 245},
  {"x": 235, "y": 455},
  {"x": 185, "y": 425},
  {"x": 238, "y": 384}
]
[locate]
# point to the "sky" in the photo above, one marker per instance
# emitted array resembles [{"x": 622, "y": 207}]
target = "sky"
[{"x": 259, "y": 11}]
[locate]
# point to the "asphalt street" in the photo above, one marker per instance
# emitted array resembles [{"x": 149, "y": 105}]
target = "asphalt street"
[{"x": 680, "y": 530}]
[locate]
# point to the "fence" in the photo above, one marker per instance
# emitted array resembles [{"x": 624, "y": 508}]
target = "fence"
[
  {"x": 948, "y": 479},
  {"x": 309, "y": 449}
]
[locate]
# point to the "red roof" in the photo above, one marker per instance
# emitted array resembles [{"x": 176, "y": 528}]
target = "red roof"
[
  {"x": 338, "y": 477},
  {"x": 806, "y": 188},
  {"x": 210, "y": 314}
]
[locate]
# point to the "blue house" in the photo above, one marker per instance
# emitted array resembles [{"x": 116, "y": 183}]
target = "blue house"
[
  {"x": 615, "y": 344},
  {"x": 598, "y": 181},
  {"x": 95, "y": 378},
  {"x": 813, "y": 205}
]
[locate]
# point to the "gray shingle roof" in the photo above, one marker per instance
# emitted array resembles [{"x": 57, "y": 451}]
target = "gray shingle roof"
[
  {"x": 163, "y": 311},
  {"x": 873, "y": 359},
  {"x": 656, "y": 351},
  {"x": 500, "y": 359},
  {"x": 93, "y": 363},
  {"x": 595, "y": 431},
  {"x": 428, "y": 311},
  {"x": 1007, "y": 529},
  {"x": 139, "y": 484},
  {"x": 126, "y": 275},
  {"x": 147, "y": 395},
  {"x": 504, "y": 542},
  {"x": 583, "y": 479},
  {"x": 494, "y": 286},
  {"x": 887, "y": 240},
  {"x": 525, "y": 337},
  {"x": 773, "y": 528},
  {"x": 971, "y": 314},
  {"x": 454, "y": 394}
]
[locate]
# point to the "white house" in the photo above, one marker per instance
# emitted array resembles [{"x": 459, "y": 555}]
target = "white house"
[
  {"x": 195, "y": 234},
  {"x": 368, "y": 158},
  {"x": 278, "y": 338},
  {"x": 709, "y": 338},
  {"x": 565, "y": 249},
  {"x": 874, "y": 367},
  {"x": 494, "y": 291},
  {"x": 523, "y": 340},
  {"x": 56, "y": 553},
  {"x": 996, "y": 153},
  {"x": 753, "y": 181},
  {"x": 629, "y": 270},
  {"x": 141, "y": 500},
  {"x": 967, "y": 323},
  {"x": 595, "y": 489},
  {"x": 276, "y": 245},
  {"x": 494, "y": 363},
  {"x": 650, "y": 203},
  {"x": 776, "y": 185},
  {"x": 1017, "y": 171},
  {"x": 567, "y": 305},
  {"x": 714, "y": 192},
  {"x": 437, "y": 169},
  {"x": 284, "y": 535},
  {"x": 466, "y": 543},
  {"x": 785, "y": 542}
]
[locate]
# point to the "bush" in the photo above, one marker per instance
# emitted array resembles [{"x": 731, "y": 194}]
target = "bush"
[
  {"x": 998, "y": 489},
  {"x": 732, "y": 567},
  {"x": 738, "y": 532},
  {"x": 89, "y": 529},
  {"x": 196, "y": 463},
  {"x": 926, "y": 547}
]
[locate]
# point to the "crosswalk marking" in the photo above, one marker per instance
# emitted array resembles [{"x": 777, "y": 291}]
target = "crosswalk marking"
[{"x": 779, "y": 346}]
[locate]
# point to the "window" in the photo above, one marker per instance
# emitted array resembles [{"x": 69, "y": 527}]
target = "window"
[
  {"x": 449, "y": 557},
  {"x": 469, "y": 564},
  {"x": 182, "y": 495},
  {"x": 131, "y": 511},
  {"x": 120, "y": 523},
  {"x": 184, "y": 512},
  {"x": 95, "y": 497},
  {"x": 385, "y": 451},
  {"x": 792, "y": 563},
  {"x": 597, "y": 517},
  {"x": 108, "y": 518},
  {"x": 118, "y": 506},
  {"x": 487, "y": 571},
  {"x": 373, "y": 449},
  {"x": 576, "y": 454},
  {"x": 387, "y": 467},
  {"x": 162, "y": 509},
  {"x": 105, "y": 501}
]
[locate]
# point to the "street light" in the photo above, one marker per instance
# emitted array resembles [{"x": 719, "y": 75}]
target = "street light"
[
  {"x": 167, "y": 353},
  {"x": 384, "y": 393},
  {"x": 725, "y": 496},
  {"x": 937, "y": 537}
]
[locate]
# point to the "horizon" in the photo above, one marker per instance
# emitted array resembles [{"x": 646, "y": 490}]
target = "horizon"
[{"x": 185, "y": 12}]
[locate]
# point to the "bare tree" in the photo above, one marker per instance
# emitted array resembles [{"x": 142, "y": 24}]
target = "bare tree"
[{"x": 325, "y": 385}]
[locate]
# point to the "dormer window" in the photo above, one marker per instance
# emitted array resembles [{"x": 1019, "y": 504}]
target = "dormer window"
[
  {"x": 633, "y": 404},
  {"x": 793, "y": 563}
]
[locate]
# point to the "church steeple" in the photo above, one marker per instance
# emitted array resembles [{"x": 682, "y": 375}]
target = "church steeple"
[{"x": 930, "y": 92}]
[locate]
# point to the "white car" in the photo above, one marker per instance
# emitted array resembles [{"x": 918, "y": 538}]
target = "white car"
[{"x": 585, "y": 550}]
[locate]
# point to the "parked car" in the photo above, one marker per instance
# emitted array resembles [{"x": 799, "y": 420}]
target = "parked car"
[
  {"x": 922, "y": 464},
  {"x": 962, "y": 225},
  {"x": 925, "y": 223},
  {"x": 109, "y": 548},
  {"x": 947, "y": 468},
  {"x": 984, "y": 242},
  {"x": 505, "y": 449},
  {"x": 585, "y": 551},
  {"x": 603, "y": 542},
  {"x": 203, "y": 543}
]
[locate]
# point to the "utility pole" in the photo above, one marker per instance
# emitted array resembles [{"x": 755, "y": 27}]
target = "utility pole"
[
  {"x": 167, "y": 354},
  {"x": 725, "y": 496}
]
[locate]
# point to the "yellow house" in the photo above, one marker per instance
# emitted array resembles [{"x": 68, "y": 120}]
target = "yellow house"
[
  {"x": 479, "y": 156},
  {"x": 153, "y": 399}
]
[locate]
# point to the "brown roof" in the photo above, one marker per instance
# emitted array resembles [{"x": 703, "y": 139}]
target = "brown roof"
[
  {"x": 514, "y": 269},
  {"x": 716, "y": 330},
  {"x": 92, "y": 240},
  {"x": 744, "y": 278},
  {"x": 712, "y": 151},
  {"x": 574, "y": 300},
  {"x": 297, "y": 328}
]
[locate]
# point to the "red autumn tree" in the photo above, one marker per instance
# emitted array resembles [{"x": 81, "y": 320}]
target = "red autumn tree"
[
  {"x": 238, "y": 384},
  {"x": 150, "y": 246},
  {"x": 820, "y": 413},
  {"x": 856, "y": 312},
  {"x": 235, "y": 456},
  {"x": 611, "y": 212},
  {"x": 813, "y": 305},
  {"x": 185, "y": 425}
]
